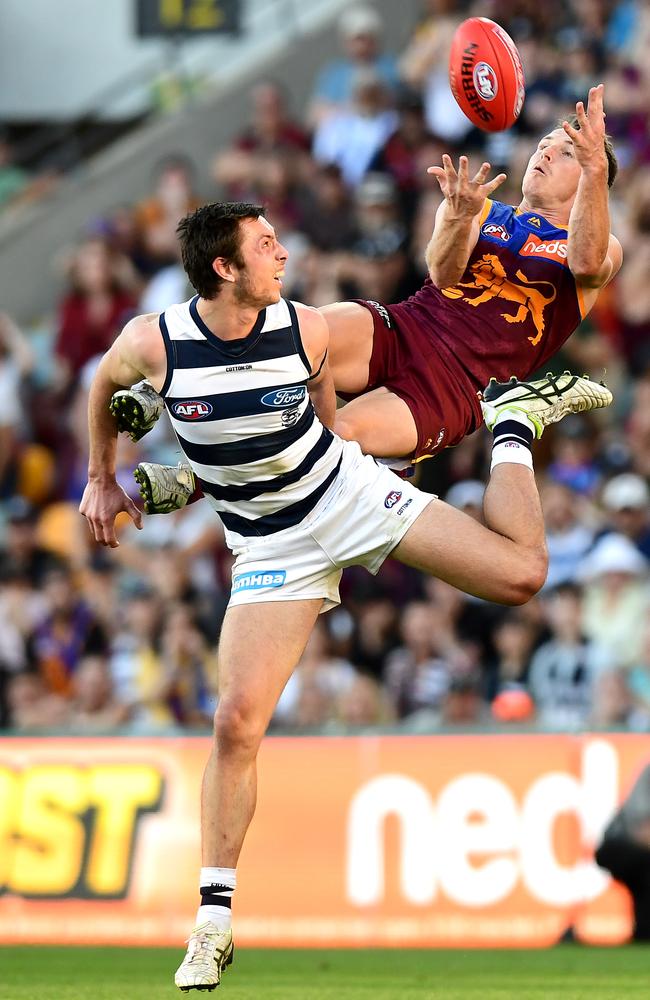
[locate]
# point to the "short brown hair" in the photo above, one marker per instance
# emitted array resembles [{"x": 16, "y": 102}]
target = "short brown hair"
[
  {"x": 612, "y": 162},
  {"x": 209, "y": 232}
]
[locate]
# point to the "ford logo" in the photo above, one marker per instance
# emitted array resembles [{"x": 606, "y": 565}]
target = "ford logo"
[
  {"x": 191, "y": 409},
  {"x": 285, "y": 397}
]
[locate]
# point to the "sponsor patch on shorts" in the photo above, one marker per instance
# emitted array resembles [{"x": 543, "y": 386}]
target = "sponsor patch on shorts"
[
  {"x": 400, "y": 510},
  {"x": 259, "y": 581}
]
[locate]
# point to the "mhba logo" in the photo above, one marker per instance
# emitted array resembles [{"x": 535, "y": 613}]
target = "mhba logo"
[{"x": 192, "y": 409}]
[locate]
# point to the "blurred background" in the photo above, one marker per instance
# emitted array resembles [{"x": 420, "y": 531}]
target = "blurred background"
[{"x": 114, "y": 127}]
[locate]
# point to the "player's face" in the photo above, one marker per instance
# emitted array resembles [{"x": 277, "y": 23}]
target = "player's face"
[
  {"x": 553, "y": 172},
  {"x": 259, "y": 282}
]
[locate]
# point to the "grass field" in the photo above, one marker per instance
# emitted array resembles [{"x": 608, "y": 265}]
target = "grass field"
[{"x": 569, "y": 972}]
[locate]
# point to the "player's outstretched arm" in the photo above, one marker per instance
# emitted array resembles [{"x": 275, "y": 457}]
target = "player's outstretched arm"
[
  {"x": 126, "y": 362},
  {"x": 593, "y": 254},
  {"x": 457, "y": 220}
]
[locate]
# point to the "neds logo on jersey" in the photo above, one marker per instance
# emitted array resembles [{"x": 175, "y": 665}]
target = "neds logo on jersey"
[
  {"x": 191, "y": 409},
  {"x": 285, "y": 397}
]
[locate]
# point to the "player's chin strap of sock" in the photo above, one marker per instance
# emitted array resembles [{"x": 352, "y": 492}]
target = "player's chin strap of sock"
[{"x": 513, "y": 439}]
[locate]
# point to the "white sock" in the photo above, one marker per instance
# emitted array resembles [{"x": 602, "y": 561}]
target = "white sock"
[
  {"x": 216, "y": 886},
  {"x": 513, "y": 434}
]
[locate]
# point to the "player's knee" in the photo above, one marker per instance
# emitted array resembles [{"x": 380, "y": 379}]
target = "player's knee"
[
  {"x": 237, "y": 730},
  {"x": 346, "y": 428},
  {"x": 530, "y": 577}
]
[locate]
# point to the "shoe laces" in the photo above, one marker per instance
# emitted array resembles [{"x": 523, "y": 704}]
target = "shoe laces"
[{"x": 199, "y": 947}]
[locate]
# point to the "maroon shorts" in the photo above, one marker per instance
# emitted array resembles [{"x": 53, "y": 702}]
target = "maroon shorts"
[{"x": 408, "y": 359}]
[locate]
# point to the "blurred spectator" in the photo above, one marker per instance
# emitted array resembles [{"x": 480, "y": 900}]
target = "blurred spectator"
[
  {"x": 638, "y": 677},
  {"x": 352, "y": 136},
  {"x": 158, "y": 216},
  {"x": 21, "y": 554},
  {"x": 468, "y": 496},
  {"x": 424, "y": 67},
  {"x": 417, "y": 674},
  {"x": 616, "y": 597},
  {"x": 311, "y": 693},
  {"x": 612, "y": 705},
  {"x": 360, "y": 32},
  {"x": 16, "y": 363},
  {"x": 328, "y": 220},
  {"x": 574, "y": 463},
  {"x": 514, "y": 639},
  {"x": 67, "y": 632},
  {"x": 365, "y": 704},
  {"x": 139, "y": 677},
  {"x": 100, "y": 297},
  {"x": 33, "y": 707},
  {"x": 625, "y": 851},
  {"x": 94, "y": 707},
  {"x": 270, "y": 130},
  {"x": 627, "y": 500},
  {"x": 568, "y": 537},
  {"x": 190, "y": 666},
  {"x": 563, "y": 669}
]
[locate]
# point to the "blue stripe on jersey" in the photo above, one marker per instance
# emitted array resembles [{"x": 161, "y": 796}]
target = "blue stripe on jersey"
[
  {"x": 247, "y": 450},
  {"x": 288, "y": 517},
  {"x": 170, "y": 352},
  {"x": 266, "y": 399},
  {"x": 201, "y": 354},
  {"x": 255, "y": 489},
  {"x": 295, "y": 333}
]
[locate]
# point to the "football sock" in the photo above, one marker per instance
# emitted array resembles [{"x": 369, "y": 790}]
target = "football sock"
[
  {"x": 513, "y": 434},
  {"x": 216, "y": 886}
]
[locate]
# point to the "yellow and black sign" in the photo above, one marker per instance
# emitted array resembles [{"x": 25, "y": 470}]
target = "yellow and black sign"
[
  {"x": 187, "y": 17},
  {"x": 69, "y": 830}
]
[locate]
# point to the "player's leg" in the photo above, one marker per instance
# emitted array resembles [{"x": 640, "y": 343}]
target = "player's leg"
[
  {"x": 259, "y": 647},
  {"x": 505, "y": 560},
  {"x": 351, "y": 329},
  {"x": 381, "y": 422}
]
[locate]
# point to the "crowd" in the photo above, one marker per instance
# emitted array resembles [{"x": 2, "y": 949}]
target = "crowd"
[{"x": 92, "y": 640}]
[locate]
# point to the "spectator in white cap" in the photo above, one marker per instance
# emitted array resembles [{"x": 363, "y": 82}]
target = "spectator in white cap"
[
  {"x": 626, "y": 499},
  {"x": 616, "y": 597},
  {"x": 360, "y": 30},
  {"x": 467, "y": 495}
]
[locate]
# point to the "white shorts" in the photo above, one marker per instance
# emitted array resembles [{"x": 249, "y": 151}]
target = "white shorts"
[{"x": 359, "y": 521}]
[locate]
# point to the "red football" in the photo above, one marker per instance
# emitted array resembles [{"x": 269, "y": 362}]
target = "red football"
[{"x": 486, "y": 75}]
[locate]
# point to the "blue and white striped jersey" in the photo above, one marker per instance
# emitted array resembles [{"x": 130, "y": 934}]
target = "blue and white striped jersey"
[{"x": 244, "y": 420}]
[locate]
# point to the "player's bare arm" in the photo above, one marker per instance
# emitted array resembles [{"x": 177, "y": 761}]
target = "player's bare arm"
[
  {"x": 138, "y": 352},
  {"x": 593, "y": 254},
  {"x": 457, "y": 219},
  {"x": 315, "y": 339}
]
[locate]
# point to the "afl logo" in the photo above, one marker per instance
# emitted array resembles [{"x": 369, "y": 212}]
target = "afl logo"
[
  {"x": 285, "y": 397},
  {"x": 485, "y": 81},
  {"x": 191, "y": 409},
  {"x": 492, "y": 229},
  {"x": 393, "y": 497}
]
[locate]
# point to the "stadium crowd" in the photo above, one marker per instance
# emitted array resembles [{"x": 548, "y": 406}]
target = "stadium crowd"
[{"x": 91, "y": 640}]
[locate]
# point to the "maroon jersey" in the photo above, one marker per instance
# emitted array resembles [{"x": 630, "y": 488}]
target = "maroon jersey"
[{"x": 513, "y": 309}]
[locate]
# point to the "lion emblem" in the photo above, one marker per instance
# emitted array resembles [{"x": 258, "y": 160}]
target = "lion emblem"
[{"x": 492, "y": 281}]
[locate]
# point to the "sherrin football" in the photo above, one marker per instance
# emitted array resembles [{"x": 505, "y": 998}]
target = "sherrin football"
[{"x": 486, "y": 75}]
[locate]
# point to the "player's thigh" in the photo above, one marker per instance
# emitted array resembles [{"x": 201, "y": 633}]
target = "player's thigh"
[
  {"x": 381, "y": 422},
  {"x": 351, "y": 330},
  {"x": 259, "y": 647},
  {"x": 449, "y": 544}
]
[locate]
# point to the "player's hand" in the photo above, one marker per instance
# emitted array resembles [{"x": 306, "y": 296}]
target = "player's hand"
[
  {"x": 589, "y": 140},
  {"x": 465, "y": 197},
  {"x": 101, "y": 503}
]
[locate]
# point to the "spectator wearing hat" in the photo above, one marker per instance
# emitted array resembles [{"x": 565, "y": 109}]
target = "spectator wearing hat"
[
  {"x": 616, "y": 597},
  {"x": 626, "y": 499},
  {"x": 360, "y": 30},
  {"x": 467, "y": 495},
  {"x": 568, "y": 537}
]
